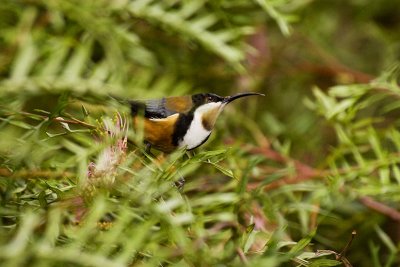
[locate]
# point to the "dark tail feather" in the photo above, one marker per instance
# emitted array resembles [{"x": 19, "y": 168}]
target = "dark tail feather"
[
  {"x": 118, "y": 99},
  {"x": 136, "y": 107}
]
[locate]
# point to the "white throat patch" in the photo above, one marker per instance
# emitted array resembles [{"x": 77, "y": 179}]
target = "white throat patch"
[{"x": 197, "y": 134}]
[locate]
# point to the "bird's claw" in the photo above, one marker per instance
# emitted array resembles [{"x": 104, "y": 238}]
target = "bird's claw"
[{"x": 180, "y": 183}]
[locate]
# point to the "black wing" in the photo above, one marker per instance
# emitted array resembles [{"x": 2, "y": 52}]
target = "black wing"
[
  {"x": 154, "y": 108},
  {"x": 161, "y": 108}
]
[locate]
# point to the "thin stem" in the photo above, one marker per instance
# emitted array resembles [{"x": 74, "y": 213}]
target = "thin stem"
[{"x": 71, "y": 120}]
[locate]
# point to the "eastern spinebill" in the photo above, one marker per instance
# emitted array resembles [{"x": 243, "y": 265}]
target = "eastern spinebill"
[{"x": 180, "y": 121}]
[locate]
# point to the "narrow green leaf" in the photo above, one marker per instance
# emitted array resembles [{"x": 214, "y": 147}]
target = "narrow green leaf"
[
  {"x": 42, "y": 199},
  {"x": 324, "y": 262},
  {"x": 302, "y": 243},
  {"x": 85, "y": 111}
]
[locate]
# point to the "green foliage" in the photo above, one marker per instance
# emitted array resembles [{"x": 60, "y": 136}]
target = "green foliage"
[{"x": 305, "y": 169}]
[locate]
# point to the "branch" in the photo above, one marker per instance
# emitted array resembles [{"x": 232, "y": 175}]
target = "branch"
[
  {"x": 74, "y": 121},
  {"x": 336, "y": 70},
  {"x": 304, "y": 172},
  {"x": 60, "y": 119},
  {"x": 242, "y": 256},
  {"x": 332, "y": 65},
  {"x": 28, "y": 174},
  {"x": 381, "y": 208},
  {"x": 56, "y": 119}
]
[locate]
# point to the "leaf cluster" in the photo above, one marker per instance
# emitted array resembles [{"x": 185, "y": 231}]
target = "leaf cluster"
[{"x": 305, "y": 168}]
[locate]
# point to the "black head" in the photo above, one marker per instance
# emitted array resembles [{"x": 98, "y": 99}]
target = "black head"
[{"x": 204, "y": 98}]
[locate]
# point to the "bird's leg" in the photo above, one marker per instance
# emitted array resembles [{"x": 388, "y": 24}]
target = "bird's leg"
[
  {"x": 148, "y": 149},
  {"x": 180, "y": 183}
]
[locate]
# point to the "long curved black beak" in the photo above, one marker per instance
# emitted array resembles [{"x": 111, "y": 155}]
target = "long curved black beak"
[{"x": 229, "y": 99}]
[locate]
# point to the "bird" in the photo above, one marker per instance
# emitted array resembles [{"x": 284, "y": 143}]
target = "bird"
[{"x": 173, "y": 122}]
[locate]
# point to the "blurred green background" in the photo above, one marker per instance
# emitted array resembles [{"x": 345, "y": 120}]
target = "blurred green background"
[{"x": 283, "y": 181}]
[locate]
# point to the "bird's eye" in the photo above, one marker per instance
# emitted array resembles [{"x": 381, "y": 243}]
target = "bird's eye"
[{"x": 209, "y": 98}]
